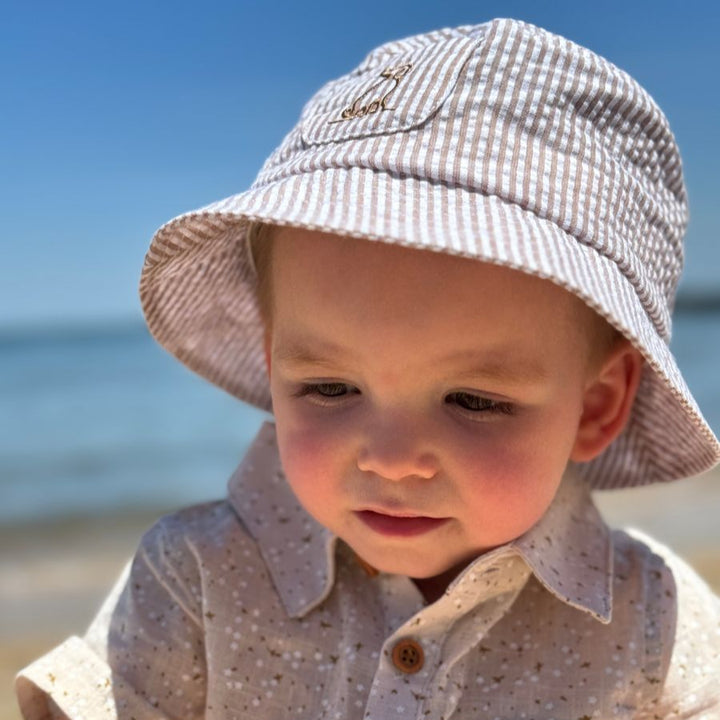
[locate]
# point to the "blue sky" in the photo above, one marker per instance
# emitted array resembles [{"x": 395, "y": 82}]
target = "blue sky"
[{"x": 115, "y": 117}]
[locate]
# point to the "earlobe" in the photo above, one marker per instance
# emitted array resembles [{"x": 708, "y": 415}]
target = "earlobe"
[{"x": 607, "y": 402}]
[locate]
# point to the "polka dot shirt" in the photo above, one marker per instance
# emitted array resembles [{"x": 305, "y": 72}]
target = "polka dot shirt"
[{"x": 247, "y": 608}]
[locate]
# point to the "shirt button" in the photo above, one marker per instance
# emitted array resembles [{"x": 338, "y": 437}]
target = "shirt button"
[{"x": 408, "y": 656}]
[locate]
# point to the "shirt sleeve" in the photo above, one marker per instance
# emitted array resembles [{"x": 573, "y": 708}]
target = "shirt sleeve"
[
  {"x": 143, "y": 656},
  {"x": 690, "y": 687}
]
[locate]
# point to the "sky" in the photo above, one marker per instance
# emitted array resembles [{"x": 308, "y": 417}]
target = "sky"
[{"x": 115, "y": 117}]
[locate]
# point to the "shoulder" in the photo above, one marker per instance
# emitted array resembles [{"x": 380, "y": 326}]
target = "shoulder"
[
  {"x": 195, "y": 530},
  {"x": 204, "y": 522},
  {"x": 190, "y": 551},
  {"x": 655, "y": 574},
  {"x": 678, "y": 619},
  {"x": 191, "y": 536}
]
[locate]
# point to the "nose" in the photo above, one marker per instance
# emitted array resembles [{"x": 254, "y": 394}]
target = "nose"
[{"x": 396, "y": 453}]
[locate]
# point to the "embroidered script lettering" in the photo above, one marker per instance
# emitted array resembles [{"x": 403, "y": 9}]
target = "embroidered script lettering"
[{"x": 361, "y": 106}]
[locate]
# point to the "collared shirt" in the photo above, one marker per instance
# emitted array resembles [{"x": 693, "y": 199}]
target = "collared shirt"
[{"x": 248, "y": 608}]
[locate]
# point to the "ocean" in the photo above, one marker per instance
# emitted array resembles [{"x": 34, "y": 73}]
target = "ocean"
[{"x": 94, "y": 420}]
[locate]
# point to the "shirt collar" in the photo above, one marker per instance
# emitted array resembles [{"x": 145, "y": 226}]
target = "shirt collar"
[
  {"x": 569, "y": 550},
  {"x": 298, "y": 551}
]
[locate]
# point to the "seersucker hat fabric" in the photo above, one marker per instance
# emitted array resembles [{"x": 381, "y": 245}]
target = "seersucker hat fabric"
[{"x": 500, "y": 142}]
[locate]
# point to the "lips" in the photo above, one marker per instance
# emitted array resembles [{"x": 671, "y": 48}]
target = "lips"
[{"x": 400, "y": 525}]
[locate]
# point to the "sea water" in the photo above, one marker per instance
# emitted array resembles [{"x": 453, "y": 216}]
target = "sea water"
[{"x": 103, "y": 419}]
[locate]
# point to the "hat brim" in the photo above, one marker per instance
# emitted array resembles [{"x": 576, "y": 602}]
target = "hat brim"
[{"x": 198, "y": 293}]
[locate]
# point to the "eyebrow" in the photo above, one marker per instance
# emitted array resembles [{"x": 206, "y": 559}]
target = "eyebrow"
[
  {"x": 502, "y": 367},
  {"x": 498, "y": 364},
  {"x": 319, "y": 352}
]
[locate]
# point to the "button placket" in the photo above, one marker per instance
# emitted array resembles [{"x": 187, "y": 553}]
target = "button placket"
[{"x": 399, "y": 692}]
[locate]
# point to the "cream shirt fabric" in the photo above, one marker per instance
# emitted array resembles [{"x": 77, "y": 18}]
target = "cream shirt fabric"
[{"x": 248, "y": 608}]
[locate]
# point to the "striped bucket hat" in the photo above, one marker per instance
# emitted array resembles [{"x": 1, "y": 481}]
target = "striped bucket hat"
[{"x": 500, "y": 142}]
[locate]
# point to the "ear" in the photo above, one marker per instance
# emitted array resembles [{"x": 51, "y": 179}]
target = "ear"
[{"x": 607, "y": 401}]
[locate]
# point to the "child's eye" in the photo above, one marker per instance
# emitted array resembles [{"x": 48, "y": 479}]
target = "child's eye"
[
  {"x": 329, "y": 389},
  {"x": 324, "y": 393},
  {"x": 478, "y": 404}
]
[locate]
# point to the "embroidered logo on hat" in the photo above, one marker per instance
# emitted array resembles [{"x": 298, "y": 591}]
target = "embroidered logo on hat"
[
  {"x": 356, "y": 109},
  {"x": 397, "y": 88}
]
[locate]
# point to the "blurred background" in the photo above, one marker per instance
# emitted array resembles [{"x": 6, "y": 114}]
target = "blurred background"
[{"x": 115, "y": 117}]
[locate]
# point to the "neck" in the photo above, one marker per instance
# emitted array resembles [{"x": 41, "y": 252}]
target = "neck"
[{"x": 432, "y": 588}]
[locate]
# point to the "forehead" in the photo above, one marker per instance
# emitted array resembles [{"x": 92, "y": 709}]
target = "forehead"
[
  {"x": 377, "y": 293},
  {"x": 346, "y": 267}
]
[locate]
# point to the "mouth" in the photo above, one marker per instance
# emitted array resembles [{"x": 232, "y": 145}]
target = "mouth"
[{"x": 399, "y": 525}]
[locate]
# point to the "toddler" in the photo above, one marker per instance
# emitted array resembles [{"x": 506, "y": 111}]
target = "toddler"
[{"x": 451, "y": 285}]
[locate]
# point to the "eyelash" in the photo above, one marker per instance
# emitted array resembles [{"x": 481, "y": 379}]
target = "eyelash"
[
  {"x": 327, "y": 393},
  {"x": 476, "y": 404}
]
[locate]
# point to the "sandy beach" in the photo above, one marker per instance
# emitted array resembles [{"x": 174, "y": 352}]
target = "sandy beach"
[{"x": 53, "y": 576}]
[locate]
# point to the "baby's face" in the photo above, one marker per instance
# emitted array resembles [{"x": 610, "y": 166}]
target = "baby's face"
[{"x": 426, "y": 405}]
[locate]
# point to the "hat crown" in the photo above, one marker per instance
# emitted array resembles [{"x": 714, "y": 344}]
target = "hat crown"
[{"x": 510, "y": 110}]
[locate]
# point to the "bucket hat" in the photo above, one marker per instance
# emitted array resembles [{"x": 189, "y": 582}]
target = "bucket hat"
[{"x": 500, "y": 142}]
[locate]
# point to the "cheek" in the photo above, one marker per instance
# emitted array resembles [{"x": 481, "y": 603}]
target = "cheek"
[
  {"x": 302, "y": 451},
  {"x": 515, "y": 472},
  {"x": 521, "y": 448},
  {"x": 313, "y": 458}
]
